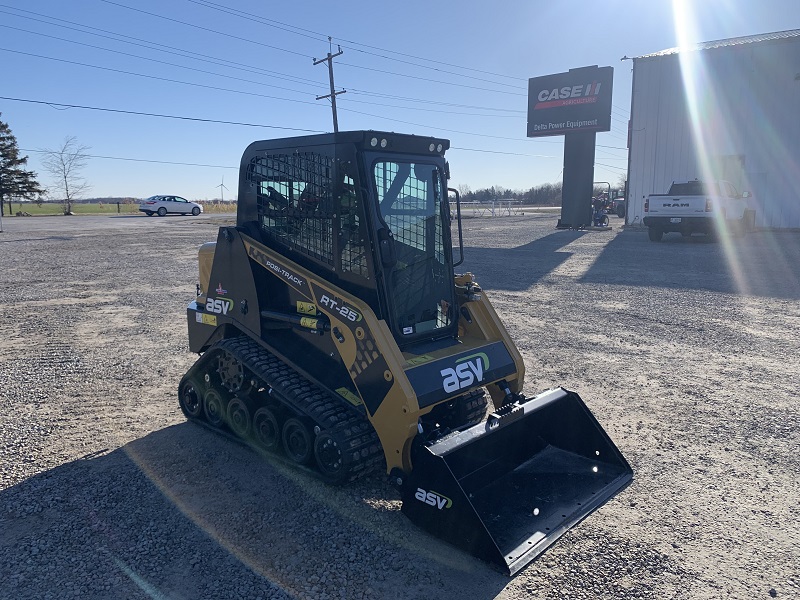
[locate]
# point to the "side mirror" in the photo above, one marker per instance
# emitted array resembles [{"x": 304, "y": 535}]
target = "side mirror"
[{"x": 386, "y": 248}]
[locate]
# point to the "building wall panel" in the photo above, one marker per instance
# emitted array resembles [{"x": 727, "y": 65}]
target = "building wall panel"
[{"x": 732, "y": 111}]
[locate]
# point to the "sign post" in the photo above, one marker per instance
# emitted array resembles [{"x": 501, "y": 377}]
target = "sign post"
[{"x": 575, "y": 104}]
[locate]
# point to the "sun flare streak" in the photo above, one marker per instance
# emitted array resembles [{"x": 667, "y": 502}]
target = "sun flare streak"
[{"x": 702, "y": 106}]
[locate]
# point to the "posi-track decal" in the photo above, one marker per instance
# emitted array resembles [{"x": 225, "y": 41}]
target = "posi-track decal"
[{"x": 277, "y": 268}]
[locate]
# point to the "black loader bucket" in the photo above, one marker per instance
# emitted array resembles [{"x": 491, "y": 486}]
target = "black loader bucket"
[{"x": 504, "y": 490}]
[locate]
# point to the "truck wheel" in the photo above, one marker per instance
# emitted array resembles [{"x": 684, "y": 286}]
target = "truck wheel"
[
  {"x": 621, "y": 211},
  {"x": 297, "y": 442},
  {"x": 654, "y": 234}
]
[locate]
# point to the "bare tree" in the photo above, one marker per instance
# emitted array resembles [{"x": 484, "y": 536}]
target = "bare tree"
[{"x": 65, "y": 165}]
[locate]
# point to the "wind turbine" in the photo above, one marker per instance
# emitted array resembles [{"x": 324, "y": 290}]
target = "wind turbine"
[{"x": 222, "y": 188}]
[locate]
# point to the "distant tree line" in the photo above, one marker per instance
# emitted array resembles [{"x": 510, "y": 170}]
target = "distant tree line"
[{"x": 547, "y": 194}]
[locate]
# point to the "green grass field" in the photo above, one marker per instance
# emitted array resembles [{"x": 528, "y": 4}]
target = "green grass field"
[{"x": 128, "y": 208}]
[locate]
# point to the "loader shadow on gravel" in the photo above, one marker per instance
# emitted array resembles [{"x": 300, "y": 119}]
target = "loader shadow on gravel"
[
  {"x": 519, "y": 268},
  {"x": 155, "y": 519},
  {"x": 182, "y": 513}
]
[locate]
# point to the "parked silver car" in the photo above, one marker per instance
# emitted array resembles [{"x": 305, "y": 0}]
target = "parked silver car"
[{"x": 162, "y": 205}]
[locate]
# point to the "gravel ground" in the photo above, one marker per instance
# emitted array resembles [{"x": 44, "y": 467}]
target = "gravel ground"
[{"x": 686, "y": 351}]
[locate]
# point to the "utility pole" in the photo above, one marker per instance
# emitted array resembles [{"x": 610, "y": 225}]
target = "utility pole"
[{"x": 333, "y": 94}]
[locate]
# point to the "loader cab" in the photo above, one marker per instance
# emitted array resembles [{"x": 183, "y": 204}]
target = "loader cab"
[{"x": 366, "y": 210}]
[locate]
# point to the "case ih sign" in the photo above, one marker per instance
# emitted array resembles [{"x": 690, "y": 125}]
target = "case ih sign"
[{"x": 578, "y": 100}]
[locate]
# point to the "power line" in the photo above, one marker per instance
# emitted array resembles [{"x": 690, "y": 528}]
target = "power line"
[
  {"x": 623, "y": 169},
  {"x": 227, "y": 35},
  {"x": 119, "y": 37},
  {"x": 315, "y": 35},
  {"x": 356, "y": 91},
  {"x": 162, "y": 62},
  {"x": 210, "y": 87},
  {"x": 147, "y": 160},
  {"x": 471, "y": 87},
  {"x": 503, "y": 152},
  {"x": 485, "y": 135},
  {"x": 278, "y": 127},
  {"x": 291, "y": 51},
  {"x": 213, "y": 60},
  {"x": 145, "y": 114}
]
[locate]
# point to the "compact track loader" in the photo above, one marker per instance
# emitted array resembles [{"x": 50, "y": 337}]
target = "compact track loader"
[{"x": 333, "y": 332}]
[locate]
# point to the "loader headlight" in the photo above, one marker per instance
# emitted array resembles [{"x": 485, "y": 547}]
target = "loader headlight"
[
  {"x": 373, "y": 142},
  {"x": 384, "y": 143},
  {"x": 432, "y": 147},
  {"x": 439, "y": 148}
]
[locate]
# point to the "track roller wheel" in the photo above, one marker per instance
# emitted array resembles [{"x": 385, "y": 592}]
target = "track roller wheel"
[
  {"x": 190, "y": 400},
  {"x": 231, "y": 372},
  {"x": 214, "y": 408},
  {"x": 297, "y": 441},
  {"x": 239, "y": 417},
  {"x": 329, "y": 458},
  {"x": 266, "y": 431}
]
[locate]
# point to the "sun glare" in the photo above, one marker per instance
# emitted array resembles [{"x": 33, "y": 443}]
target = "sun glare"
[{"x": 707, "y": 118}]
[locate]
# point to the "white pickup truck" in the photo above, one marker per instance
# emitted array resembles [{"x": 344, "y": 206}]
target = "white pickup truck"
[{"x": 708, "y": 207}]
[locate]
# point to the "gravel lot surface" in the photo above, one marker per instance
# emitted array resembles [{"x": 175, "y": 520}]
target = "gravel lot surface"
[{"x": 686, "y": 351}]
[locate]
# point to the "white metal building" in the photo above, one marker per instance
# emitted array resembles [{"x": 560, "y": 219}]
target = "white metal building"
[{"x": 728, "y": 109}]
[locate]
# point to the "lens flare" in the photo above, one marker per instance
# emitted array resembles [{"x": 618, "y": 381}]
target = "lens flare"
[{"x": 732, "y": 114}]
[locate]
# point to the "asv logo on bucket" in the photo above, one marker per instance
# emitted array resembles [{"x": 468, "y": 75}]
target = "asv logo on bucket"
[
  {"x": 433, "y": 499},
  {"x": 221, "y": 306},
  {"x": 469, "y": 370}
]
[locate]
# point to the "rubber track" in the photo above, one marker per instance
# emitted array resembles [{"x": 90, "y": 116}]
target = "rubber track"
[{"x": 356, "y": 438}]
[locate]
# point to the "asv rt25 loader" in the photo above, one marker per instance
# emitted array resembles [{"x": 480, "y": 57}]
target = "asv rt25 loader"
[{"x": 334, "y": 332}]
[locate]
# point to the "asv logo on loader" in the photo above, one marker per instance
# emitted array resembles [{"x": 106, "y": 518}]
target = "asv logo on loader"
[
  {"x": 433, "y": 499},
  {"x": 221, "y": 306},
  {"x": 466, "y": 373}
]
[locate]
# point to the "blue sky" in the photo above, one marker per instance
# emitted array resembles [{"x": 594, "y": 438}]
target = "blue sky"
[{"x": 456, "y": 70}]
